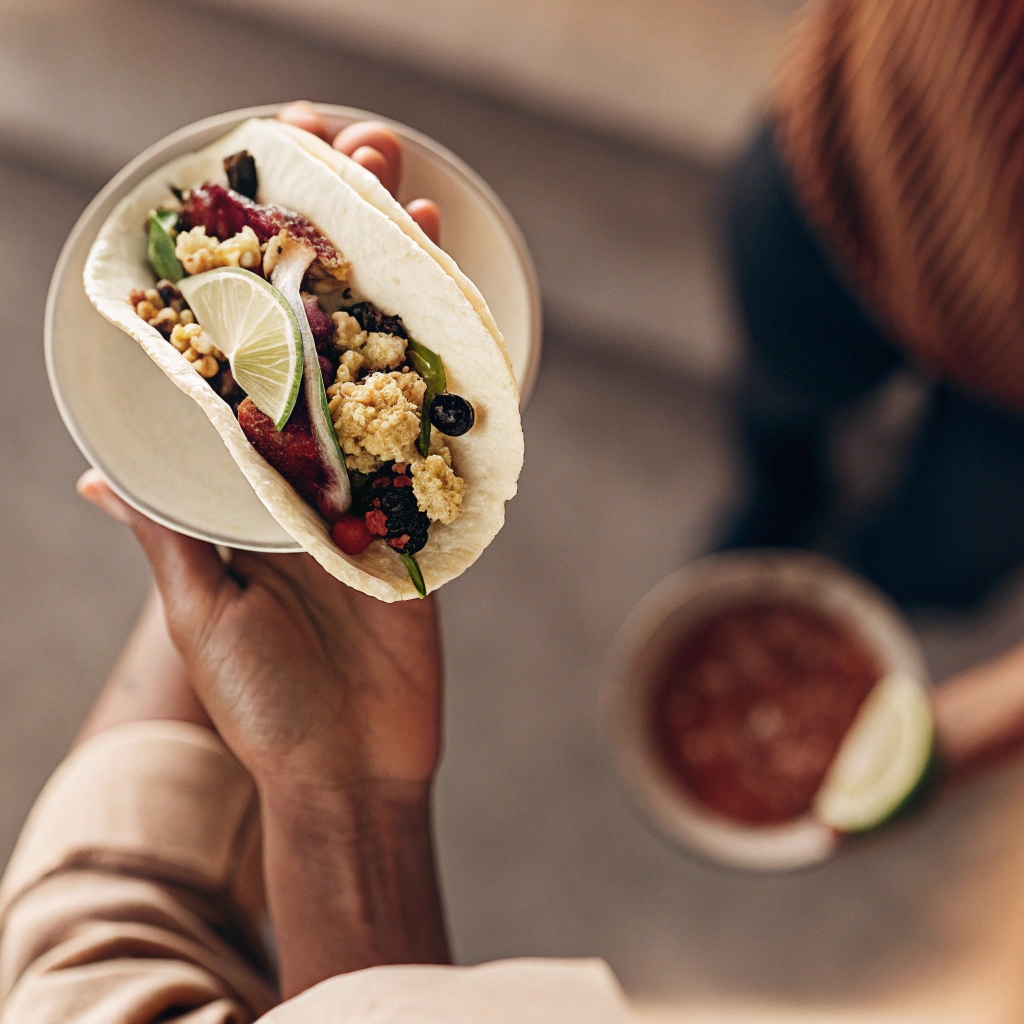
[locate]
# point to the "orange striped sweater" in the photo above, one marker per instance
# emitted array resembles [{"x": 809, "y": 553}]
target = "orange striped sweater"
[{"x": 902, "y": 123}]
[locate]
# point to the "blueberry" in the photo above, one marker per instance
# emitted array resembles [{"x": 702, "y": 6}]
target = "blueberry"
[{"x": 451, "y": 414}]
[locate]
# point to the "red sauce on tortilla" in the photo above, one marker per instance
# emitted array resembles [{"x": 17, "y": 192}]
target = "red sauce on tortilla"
[{"x": 754, "y": 703}]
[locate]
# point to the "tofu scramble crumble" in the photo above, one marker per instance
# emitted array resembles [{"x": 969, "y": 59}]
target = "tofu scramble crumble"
[{"x": 386, "y": 394}]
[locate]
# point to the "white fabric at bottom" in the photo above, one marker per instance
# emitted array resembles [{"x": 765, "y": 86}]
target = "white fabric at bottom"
[{"x": 505, "y": 992}]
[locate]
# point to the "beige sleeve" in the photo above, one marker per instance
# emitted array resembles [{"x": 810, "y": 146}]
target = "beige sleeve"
[{"x": 135, "y": 893}]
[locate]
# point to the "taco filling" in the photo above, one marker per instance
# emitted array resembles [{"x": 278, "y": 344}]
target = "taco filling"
[{"x": 359, "y": 433}]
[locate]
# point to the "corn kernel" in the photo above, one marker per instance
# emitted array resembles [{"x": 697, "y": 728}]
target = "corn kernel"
[
  {"x": 207, "y": 366},
  {"x": 165, "y": 319},
  {"x": 202, "y": 344}
]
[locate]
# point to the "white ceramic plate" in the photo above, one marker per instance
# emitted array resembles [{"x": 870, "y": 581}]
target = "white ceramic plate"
[
  {"x": 151, "y": 442},
  {"x": 638, "y": 660}
]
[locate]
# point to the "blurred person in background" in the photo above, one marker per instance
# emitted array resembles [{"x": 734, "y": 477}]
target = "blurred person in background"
[{"x": 876, "y": 221}]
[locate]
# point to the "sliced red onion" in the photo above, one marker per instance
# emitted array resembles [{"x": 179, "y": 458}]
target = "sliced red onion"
[{"x": 287, "y": 278}]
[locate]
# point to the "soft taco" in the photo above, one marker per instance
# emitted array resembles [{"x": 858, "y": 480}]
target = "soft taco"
[{"x": 354, "y": 373}]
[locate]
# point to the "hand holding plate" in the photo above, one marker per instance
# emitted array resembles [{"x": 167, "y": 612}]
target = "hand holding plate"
[{"x": 315, "y": 687}]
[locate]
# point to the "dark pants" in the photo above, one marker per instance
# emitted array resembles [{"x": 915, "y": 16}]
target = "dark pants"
[{"x": 954, "y": 526}]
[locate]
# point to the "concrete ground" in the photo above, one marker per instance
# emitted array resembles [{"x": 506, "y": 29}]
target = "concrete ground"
[{"x": 540, "y": 851}]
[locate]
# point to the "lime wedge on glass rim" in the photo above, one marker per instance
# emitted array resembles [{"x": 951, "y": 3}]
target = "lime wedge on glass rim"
[
  {"x": 251, "y": 322},
  {"x": 883, "y": 758}
]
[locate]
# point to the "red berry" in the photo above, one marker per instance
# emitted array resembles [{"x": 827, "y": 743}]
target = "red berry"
[
  {"x": 402, "y": 481},
  {"x": 351, "y": 535}
]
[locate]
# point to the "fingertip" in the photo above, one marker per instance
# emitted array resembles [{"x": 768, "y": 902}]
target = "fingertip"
[
  {"x": 92, "y": 486},
  {"x": 369, "y": 133},
  {"x": 302, "y": 114},
  {"x": 377, "y": 164},
  {"x": 427, "y": 215},
  {"x": 90, "y": 479},
  {"x": 376, "y": 136}
]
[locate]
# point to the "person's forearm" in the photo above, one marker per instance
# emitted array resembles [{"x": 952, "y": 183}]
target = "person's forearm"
[
  {"x": 350, "y": 882},
  {"x": 979, "y": 715}
]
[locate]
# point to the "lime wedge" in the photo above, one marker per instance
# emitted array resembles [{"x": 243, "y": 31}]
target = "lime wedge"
[
  {"x": 882, "y": 759},
  {"x": 251, "y": 322}
]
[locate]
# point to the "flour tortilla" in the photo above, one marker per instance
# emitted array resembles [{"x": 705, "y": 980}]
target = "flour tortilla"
[
  {"x": 389, "y": 268},
  {"x": 369, "y": 187}
]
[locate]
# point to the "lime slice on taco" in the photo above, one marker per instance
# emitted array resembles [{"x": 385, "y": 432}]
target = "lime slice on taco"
[
  {"x": 883, "y": 758},
  {"x": 255, "y": 327}
]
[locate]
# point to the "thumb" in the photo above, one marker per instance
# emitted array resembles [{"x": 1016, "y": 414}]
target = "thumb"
[{"x": 189, "y": 573}]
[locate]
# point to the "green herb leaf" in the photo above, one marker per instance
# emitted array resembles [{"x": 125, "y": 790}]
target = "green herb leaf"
[
  {"x": 429, "y": 366},
  {"x": 415, "y": 574},
  {"x": 168, "y": 220},
  {"x": 161, "y": 246}
]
